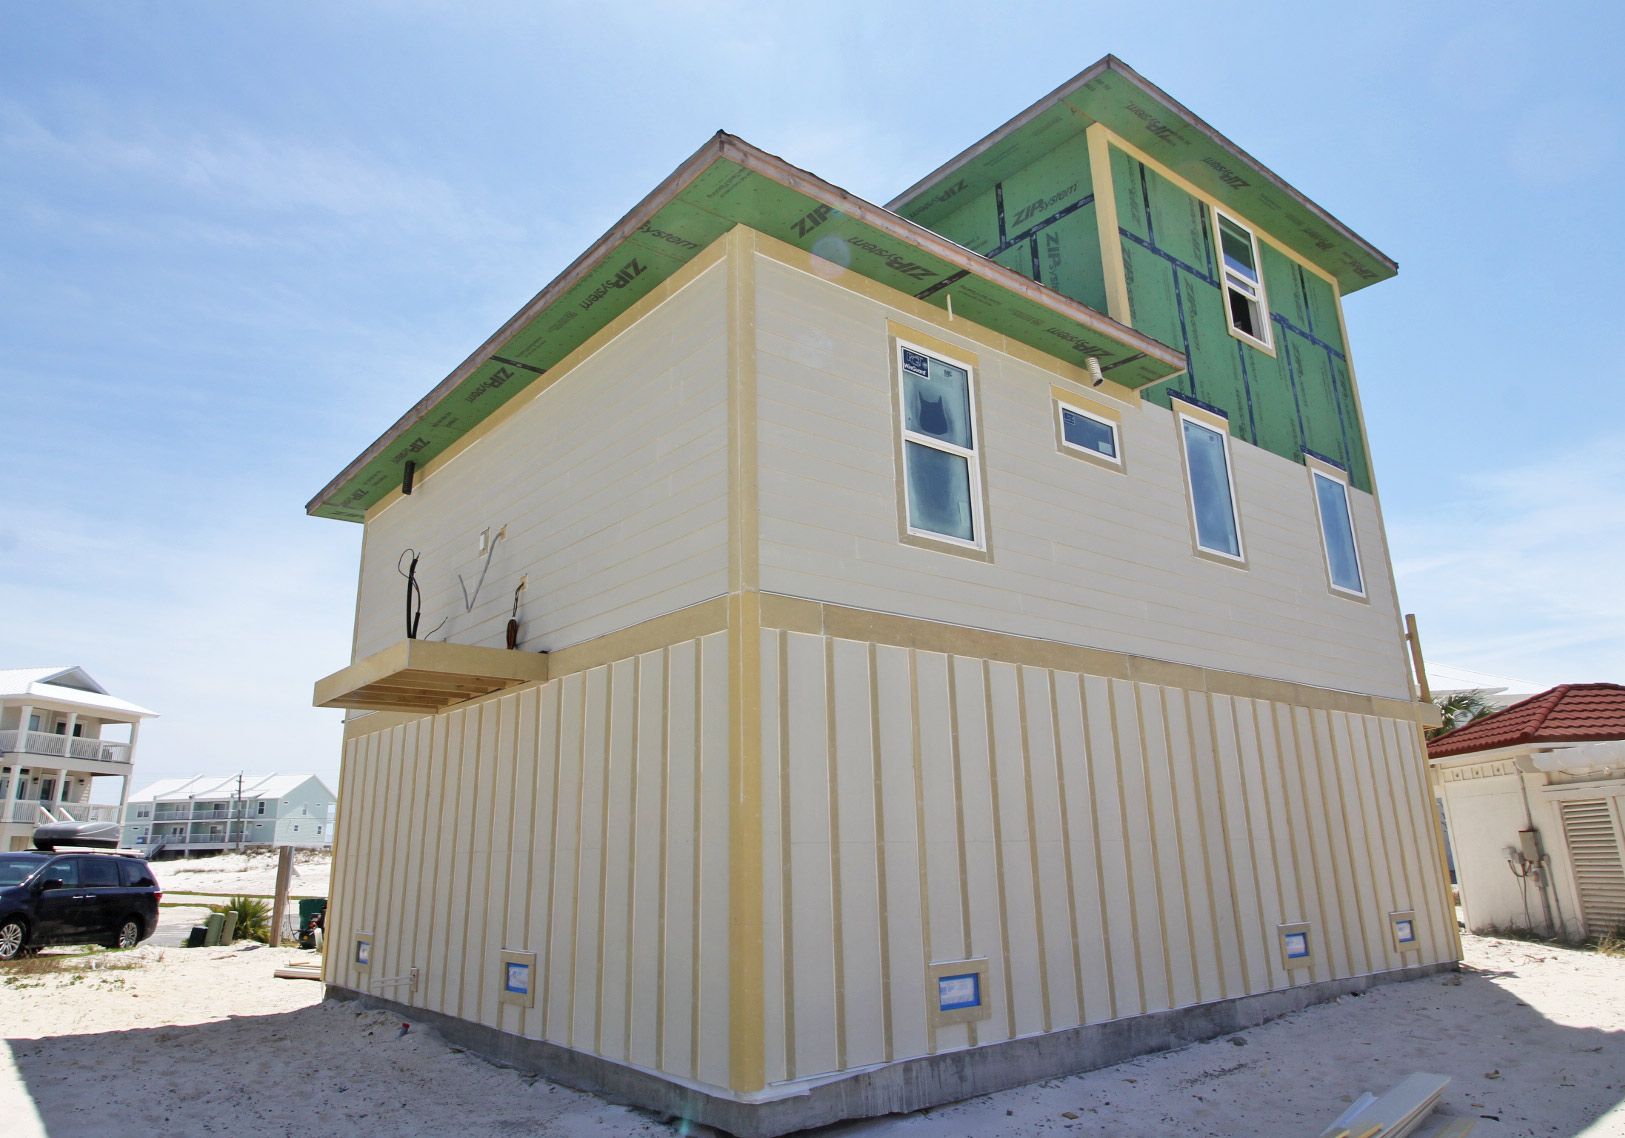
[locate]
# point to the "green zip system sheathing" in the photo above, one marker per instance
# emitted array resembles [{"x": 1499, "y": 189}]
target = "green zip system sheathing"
[
  {"x": 730, "y": 183},
  {"x": 1298, "y": 400},
  {"x": 1039, "y": 221},
  {"x": 1115, "y": 95}
]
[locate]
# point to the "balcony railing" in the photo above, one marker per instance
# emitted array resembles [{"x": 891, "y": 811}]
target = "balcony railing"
[
  {"x": 31, "y": 812},
  {"x": 48, "y": 745}
]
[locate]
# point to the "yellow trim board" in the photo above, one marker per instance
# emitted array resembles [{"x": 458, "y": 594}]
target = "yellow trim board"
[
  {"x": 1118, "y": 307},
  {"x": 747, "y": 1032},
  {"x": 797, "y": 614}
]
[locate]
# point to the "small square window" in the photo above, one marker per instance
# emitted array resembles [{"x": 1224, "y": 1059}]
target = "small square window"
[
  {"x": 1085, "y": 433},
  {"x": 1246, "y": 308},
  {"x": 1296, "y": 946}
]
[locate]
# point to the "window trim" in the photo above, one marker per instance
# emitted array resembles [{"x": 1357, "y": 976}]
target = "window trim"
[
  {"x": 1266, "y": 343},
  {"x": 981, "y": 547},
  {"x": 1061, "y": 401},
  {"x": 1214, "y": 420},
  {"x": 1318, "y": 467}
]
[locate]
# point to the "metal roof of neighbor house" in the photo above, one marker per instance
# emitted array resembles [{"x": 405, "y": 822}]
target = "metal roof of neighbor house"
[
  {"x": 215, "y": 786},
  {"x": 726, "y": 183},
  {"x": 1114, "y": 94},
  {"x": 71, "y": 685},
  {"x": 1568, "y": 713}
]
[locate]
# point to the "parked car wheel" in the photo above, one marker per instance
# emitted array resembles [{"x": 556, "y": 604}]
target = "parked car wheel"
[
  {"x": 129, "y": 934},
  {"x": 13, "y": 939}
]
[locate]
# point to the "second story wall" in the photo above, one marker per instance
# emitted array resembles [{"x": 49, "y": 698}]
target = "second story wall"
[
  {"x": 1078, "y": 553},
  {"x": 611, "y": 484}
]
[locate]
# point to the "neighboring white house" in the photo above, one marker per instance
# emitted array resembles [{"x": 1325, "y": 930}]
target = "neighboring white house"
[
  {"x": 1534, "y": 795},
  {"x": 60, "y": 730},
  {"x": 215, "y": 812}
]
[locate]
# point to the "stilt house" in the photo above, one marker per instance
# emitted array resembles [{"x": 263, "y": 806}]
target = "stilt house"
[{"x": 856, "y": 657}]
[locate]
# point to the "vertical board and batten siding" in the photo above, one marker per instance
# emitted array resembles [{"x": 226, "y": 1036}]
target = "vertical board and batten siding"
[
  {"x": 1080, "y": 554},
  {"x": 1111, "y": 847},
  {"x": 612, "y": 483},
  {"x": 584, "y": 820}
]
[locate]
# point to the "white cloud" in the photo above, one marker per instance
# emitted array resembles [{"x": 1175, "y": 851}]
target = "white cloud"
[
  {"x": 244, "y": 173},
  {"x": 1517, "y": 571}
]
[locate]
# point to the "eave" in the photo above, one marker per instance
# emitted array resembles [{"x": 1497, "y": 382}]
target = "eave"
[{"x": 728, "y": 182}]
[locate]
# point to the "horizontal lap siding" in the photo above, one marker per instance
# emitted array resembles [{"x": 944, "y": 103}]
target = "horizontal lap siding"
[
  {"x": 1112, "y": 848},
  {"x": 612, "y": 484},
  {"x": 1080, "y": 554},
  {"x": 584, "y": 820}
]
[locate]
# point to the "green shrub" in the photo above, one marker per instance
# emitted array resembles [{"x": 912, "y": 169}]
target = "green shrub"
[{"x": 253, "y": 917}]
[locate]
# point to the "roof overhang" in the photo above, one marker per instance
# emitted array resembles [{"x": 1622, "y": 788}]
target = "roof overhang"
[
  {"x": 727, "y": 183},
  {"x": 1112, "y": 93}
]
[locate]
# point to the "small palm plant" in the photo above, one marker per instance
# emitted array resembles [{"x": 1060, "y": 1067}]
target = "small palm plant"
[
  {"x": 253, "y": 917},
  {"x": 1460, "y": 708}
]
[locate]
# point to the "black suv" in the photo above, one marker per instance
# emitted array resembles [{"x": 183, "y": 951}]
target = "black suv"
[{"x": 79, "y": 897}]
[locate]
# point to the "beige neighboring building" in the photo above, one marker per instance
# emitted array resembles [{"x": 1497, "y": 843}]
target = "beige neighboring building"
[
  {"x": 955, "y": 643},
  {"x": 59, "y": 731},
  {"x": 1534, "y": 797}
]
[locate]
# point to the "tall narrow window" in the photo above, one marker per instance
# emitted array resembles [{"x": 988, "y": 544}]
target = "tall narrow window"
[
  {"x": 1337, "y": 532},
  {"x": 1245, "y": 306},
  {"x": 942, "y": 479},
  {"x": 1213, "y": 499}
]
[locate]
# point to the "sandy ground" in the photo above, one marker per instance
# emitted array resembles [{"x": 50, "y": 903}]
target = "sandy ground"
[
  {"x": 243, "y": 873},
  {"x": 205, "y": 1041}
]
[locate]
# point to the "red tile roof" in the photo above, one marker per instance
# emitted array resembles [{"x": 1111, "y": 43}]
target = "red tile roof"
[{"x": 1568, "y": 713}]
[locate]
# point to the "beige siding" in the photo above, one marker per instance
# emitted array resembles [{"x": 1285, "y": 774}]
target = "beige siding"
[
  {"x": 584, "y": 820},
  {"x": 611, "y": 482},
  {"x": 1111, "y": 847},
  {"x": 1081, "y": 554}
]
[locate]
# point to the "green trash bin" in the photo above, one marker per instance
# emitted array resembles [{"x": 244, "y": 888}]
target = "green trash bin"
[{"x": 309, "y": 909}]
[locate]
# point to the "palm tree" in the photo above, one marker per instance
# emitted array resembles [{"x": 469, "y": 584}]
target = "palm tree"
[{"x": 1460, "y": 708}]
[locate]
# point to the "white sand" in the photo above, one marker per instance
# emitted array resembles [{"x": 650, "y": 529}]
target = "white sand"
[
  {"x": 206, "y": 1041},
  {"x": 253, "y": 873}
]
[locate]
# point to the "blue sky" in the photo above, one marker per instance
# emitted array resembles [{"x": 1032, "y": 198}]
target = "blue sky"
[{"x": 236, "y": 241}]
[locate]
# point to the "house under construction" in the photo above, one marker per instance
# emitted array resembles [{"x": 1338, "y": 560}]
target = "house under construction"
[{"x": 858, "y": 657}]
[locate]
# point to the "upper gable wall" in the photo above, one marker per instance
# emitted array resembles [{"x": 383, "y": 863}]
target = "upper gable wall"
[
  {"x": 1298, "y": 398},
  {"x": 1045, "y": 223}
]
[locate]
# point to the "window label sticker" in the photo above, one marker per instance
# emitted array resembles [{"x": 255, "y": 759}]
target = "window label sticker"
[
  {"x": 956, "y": 992},
  {"x": 916, "y": 362}
]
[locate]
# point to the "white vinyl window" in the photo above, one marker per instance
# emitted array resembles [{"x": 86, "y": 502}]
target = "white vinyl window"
[
  {"x": 1337, "y": 532},
  {"x": 942, "y": 480},
  {"x": 1246, "y": 308},
  {"x": 1212, "y": 490},
  {"x": 1094, "y": 435}
]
